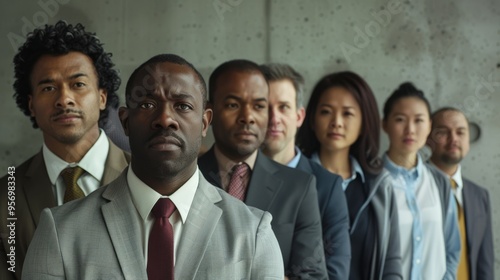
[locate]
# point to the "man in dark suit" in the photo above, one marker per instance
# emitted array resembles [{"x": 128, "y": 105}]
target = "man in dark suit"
[
  {"x": 286, "y": 90},
  {"x": 125, "y": 230},
  {"x": 449, "y": 141},
  {"x": 238, "y": 96},
  {"x": 65, "y": 82}
]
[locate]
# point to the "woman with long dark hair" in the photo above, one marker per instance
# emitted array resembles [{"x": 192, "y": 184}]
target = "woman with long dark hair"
[{"x": 341, "y": 132}]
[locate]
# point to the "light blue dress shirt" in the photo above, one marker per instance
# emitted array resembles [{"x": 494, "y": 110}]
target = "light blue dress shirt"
[
  {"x": 355, "y": 167},
  {"x": 295, "y": 160},
  {"x": 412, "y": 179}
]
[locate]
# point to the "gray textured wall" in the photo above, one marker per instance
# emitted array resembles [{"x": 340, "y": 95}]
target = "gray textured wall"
[{"x": 450, "y": 49}]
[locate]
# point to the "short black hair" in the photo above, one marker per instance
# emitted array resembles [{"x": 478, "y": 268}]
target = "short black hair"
[
  {"x": 279, "y": 71},
  {"x": 160, "y": 58},
  {"x": 238, "y": 65},
  {"x": 406, "y": 89},
  {"x": 60, "y": 39}
]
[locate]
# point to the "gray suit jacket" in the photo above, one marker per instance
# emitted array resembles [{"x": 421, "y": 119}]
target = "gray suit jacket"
[
  {"x": 34, "y": 193},
  {"x": 479, "y": 232},
  {"x": 96, "y": 238},
  {"x": 290, "y": 196}
]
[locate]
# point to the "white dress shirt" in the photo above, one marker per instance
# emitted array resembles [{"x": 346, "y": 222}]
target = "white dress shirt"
[
  {"x": 460, "y": 185},
  {"x": 93, "y": 163},
  {"x": 457, "y": 177},
  {"x": 144, "y": 198}
]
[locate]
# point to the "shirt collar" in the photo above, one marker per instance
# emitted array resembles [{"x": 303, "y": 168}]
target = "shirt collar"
[
  {"x": 458, "y": 178},
  {"x": 226, "y": 164},
  {"x": 145, "y": 198},
  {"x": 355, "y": 169},
  {"x": 295, "y": 160},
  {"x": 315, "y": 158},
  {"x": 93, "y": 162},
  {"x": 397, "y": 170}
]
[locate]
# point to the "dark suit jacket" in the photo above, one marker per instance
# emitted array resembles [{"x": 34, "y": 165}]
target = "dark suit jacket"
[
  {"x": 479, "y": 232},
  {"x": 291, "y": 197},
  {"x": 334, "y": 218},
  {"x": 34, "y": 193}
]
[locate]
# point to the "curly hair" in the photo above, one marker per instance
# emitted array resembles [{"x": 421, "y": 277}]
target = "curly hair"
[{"x": 60, "y": 39}]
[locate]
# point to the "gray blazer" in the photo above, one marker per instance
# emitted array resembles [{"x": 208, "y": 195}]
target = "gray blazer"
[
  {"x": 95, "y": 238},
  {"x": 479, "y": 233},
  {"x": 386, "y": 258}
]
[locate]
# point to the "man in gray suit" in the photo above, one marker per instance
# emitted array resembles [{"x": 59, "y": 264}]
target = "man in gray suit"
[
  {"x": 449, "y": 141},
  {"x": 108, "y": 235}
]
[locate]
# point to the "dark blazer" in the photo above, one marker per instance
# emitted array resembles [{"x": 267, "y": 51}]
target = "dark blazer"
[
  {"x": 479, "y": 232},
  {"x": 291, "y": 197},
  {"x": 34, "y": 193},
  {"x": 334, "y": 218}
]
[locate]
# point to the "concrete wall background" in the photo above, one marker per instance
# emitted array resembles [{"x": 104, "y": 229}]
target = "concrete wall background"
[{"x": 448, "y": 48}]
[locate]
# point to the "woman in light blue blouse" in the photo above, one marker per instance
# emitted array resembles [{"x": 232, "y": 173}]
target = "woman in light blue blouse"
[{"x": 430, "y": 241}]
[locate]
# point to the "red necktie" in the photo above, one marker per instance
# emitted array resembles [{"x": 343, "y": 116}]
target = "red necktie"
[
  {"x": 161, "y": 242},
  {"x": 237, "y": 186}
]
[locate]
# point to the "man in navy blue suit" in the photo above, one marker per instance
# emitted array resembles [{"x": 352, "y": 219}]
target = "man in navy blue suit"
[{"x": 286, "y": 114}]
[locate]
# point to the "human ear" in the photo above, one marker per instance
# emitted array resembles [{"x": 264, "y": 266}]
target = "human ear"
[{"x": 123, "y": 114}]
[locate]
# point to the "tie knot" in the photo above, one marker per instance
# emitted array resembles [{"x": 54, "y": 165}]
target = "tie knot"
[
  {"x": 453, "y": 184},
  {"x": 163, "y": 208},
  {"x": 240, "y": 170},
  {"x": 71, "y": 174}
]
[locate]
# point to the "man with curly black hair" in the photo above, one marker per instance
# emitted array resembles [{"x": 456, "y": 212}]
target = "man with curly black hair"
[{"x": 65, "y": 82}]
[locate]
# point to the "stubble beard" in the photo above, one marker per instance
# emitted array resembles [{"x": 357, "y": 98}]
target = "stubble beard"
[{"x": 451, "y": 160}]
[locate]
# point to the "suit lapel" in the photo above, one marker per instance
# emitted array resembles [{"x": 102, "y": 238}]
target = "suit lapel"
[
  {"x": 304, "y": 165},
  {"x": 116, "y": 161},
  {"x": 263, "y": 184},
  {"x": 210, "y": 168},
  {"x": 118, "y": 215},
  {"x": 38, "y": 188},
  {"x": 202, "y": 220},
  {"x": 467, "y": 195}
]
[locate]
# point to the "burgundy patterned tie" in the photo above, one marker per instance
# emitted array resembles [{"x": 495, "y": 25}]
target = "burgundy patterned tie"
[
  {"x": 161, "y": 242},
  {"x": 237, "y": 186}
]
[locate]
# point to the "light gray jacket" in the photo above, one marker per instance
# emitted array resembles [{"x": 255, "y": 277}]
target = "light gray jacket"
[{"x": 96, "y": 238}]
